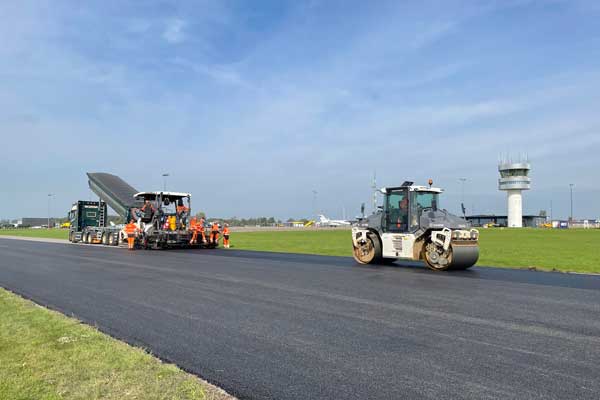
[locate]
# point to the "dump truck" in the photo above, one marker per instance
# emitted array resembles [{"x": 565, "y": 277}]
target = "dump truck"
[
  {"x": 89, "y": 219},
  {"x": 411, "y": 226},
  {"x": 163, "y": 227},
  {"x": 87, "y": 223}
]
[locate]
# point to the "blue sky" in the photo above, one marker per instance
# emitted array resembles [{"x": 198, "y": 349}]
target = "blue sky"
[{"x": 251, "y": 106}]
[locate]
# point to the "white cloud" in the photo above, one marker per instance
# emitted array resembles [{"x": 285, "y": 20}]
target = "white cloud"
[
  {"x": 224, "y": 74},
  {"x": 174, "y": 30}
]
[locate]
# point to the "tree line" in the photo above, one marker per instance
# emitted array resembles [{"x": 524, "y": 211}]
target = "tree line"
[{"x": 236, "y": 221}]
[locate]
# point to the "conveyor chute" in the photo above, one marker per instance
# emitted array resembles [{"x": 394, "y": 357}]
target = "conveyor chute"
[{"x": 114, "y": 191}]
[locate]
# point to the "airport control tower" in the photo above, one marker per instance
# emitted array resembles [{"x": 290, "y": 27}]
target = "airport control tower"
[{"x": 514, "y": 177}]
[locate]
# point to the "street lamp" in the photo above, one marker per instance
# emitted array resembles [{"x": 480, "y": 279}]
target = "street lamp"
[
  {"x": 462, "y": 194},
  {"x": 49, "y": 198},
  {"x": 165, "y": 181},
  {"x": 571, "y": 187}
]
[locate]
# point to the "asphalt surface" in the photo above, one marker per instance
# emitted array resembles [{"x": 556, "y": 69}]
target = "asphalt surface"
[{"x": 275, "y": 326}]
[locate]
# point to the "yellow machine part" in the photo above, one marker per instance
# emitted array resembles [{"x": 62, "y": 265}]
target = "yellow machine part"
[{"x": 172, "y": 223}]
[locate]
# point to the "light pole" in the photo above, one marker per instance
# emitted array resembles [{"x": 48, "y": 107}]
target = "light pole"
[
  {"x": 49, "y": 198},
  {"x": 462, "y": 194},
  {"x": 165, "y": 181},
  {"x": 571, "y": 187}
]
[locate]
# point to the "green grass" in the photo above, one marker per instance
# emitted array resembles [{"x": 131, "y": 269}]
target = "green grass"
[
  {"x": 323, "y": 242},
  {"x": 42, "y": 233},
  {"x": 47, "y": 356},
  {"x": 575, "y": 250}
]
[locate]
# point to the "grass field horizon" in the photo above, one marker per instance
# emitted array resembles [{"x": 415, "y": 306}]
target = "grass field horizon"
[{"x": 567, "y": 250}]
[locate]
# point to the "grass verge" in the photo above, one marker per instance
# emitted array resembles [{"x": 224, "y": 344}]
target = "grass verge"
[
  {"x": 568, "y": 250},
  {"x": 572, "y": 250},
  {"x": 41, "y": 233},
  {"x": 45, "y": 355}
]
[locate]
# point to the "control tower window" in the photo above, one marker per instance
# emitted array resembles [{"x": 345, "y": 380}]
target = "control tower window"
[{"x": 513, "y": 172}]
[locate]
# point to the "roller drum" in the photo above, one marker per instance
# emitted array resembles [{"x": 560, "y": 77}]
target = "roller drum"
[{"x": 463, "y": 256}]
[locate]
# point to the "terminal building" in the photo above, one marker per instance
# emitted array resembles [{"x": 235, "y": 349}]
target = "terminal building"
[
  {"x": 529, "y": 221},
  {"x": 29, "y": 222}
]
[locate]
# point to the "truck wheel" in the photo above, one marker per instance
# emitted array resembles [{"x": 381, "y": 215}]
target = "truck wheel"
[
  {"x": 71, "y": 237},
  {"x": 368, "y": 253},
  {"x": 104, "y": 239},
  {"x": 87, "y": 239},
  {"x": 111, "y": 239}
]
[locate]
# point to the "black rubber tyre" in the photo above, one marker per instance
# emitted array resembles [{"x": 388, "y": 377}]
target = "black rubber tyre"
[{"x": 71, "y": 236}]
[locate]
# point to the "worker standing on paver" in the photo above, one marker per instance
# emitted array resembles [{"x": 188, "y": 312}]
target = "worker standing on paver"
[
  {"x": 182, "y": 213},
  {"x": 131, "y": 230},
  {"x": 226, "y": 236},
  {"x": 214, "y": 233},
  {"x": 148, "y": 211}
]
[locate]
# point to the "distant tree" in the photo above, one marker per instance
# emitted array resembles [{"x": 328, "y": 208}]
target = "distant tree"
[
  {"x": 543, "y": 213},
  {"x": 201, "y": 214}
]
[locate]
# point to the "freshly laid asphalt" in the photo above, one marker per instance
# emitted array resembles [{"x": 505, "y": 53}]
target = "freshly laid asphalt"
[{"x": 278, "y": 326}]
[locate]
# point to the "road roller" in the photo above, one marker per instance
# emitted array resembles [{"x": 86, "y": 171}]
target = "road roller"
[{"x": 411, "y": 226}]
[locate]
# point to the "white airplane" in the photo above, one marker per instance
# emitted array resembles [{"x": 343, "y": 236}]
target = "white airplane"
[{"x": 324, "y": 221}]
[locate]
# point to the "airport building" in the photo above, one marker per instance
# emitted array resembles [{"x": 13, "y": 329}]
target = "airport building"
[
  {"x": 28, "y": 222},
  {"x": 514, "y": 178},
  {"x": 529, "y": 221}
]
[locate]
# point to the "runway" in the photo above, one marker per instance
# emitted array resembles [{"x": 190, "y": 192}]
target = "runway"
[{"x": 281, "y": 326}]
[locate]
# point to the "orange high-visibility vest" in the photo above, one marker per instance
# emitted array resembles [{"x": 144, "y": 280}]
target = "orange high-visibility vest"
[
  {"x": 130, "y": 228},
  {"x": 226, "y": 230},
  {"x": 215, "y": 227}
]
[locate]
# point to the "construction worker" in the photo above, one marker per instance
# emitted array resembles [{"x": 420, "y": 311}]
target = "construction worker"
[
  {"x": 182, "y": 213},
  {"x": 194, "y": 230},
  {"x": 226, "y": 236},
  {"x": 148, "y": 211},
  {"x": 402, "y": 214},
  {"x": 131, "y": 230},
  {"x": 200, "y": 227},
  {"x": 214, "y": 233}
]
